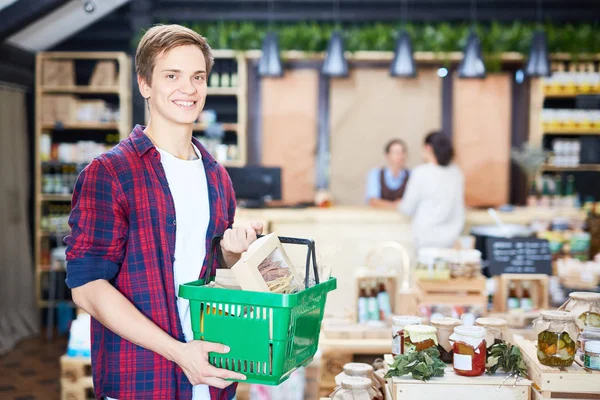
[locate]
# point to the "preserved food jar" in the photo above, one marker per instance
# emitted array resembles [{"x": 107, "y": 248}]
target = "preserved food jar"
[
  {"x": 591, "y": 361},
  {"x": 585, "y": 306},
  {"x": 363, "y": 371},
  {"x": 354, "y": 387},
  {"x": 495, "y": 329},
  {"x": 589, "y": 334},
  {"x": 419, "y": 338},
  {"x": 445, "y": 328},
  {"x": 556, "y": 332},
  {"x": 469, "y": 350},
  {"x": 399, "y": 322}
]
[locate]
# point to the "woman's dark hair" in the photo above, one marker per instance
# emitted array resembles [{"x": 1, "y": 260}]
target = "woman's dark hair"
[
  {"x": 442, "y": 147},
  {"x": 392, "y": 142}
]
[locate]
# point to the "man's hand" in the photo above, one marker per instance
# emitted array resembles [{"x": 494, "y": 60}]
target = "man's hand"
[
  {"x": 192, "y": 357},
  {"x": 237, "y": 240}
]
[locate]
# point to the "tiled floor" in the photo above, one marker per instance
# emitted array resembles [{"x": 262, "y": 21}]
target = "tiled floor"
[{"x": 31, "y": 371}]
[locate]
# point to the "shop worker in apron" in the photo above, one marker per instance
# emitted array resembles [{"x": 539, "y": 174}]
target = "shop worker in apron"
[
  {"x": 385, "y": 186},
  {"x": 143, "y": 216}
]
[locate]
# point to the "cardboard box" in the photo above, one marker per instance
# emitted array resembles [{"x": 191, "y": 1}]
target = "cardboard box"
[
  {"x": 58, "y": 73},
  {"x": 105, "y": 74}
]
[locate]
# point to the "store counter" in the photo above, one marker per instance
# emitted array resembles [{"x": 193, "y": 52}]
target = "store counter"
[{"x": 345, "y": 236}]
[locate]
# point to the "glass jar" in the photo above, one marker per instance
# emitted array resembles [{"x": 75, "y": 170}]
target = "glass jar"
[
  {"x": 419, "y": 338},
  {"x": 354, "y": 387},
  {"x": 587, "y": 335},
  {"x": 465, "y": 263},
  {"x": 556, "y": 332},
  {"x": 585, "y": 306},
  {"x": 363, "y": 371},
  {"x": 591, "y": 360},
  {"x": 432, "y": 264},
  {"x": 495, "y": 329},
  {"x": 445, "y": 328},
  {"x": 469, "y": 350},
  {"x": 399, "y": 322}
]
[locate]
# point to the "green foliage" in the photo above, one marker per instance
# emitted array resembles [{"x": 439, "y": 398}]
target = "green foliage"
[
  {"x": 423, "y": 365},
  {"x": 310, "y": 36},
  {"x": 507, "y": 357}
]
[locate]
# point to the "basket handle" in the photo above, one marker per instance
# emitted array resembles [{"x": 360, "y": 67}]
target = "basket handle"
[{"x": 310, "y": 255}]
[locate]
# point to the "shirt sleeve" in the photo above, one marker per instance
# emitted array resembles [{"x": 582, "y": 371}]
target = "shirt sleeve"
[
  {"x": 373, "y": 190},
  {"x": 232, "y": 202},
  {"x": 99, "y": 227},
  {"x": 410, "y": 200}
]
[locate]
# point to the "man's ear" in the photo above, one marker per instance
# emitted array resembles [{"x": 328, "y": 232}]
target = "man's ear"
[{"x": 144, "y": 87}]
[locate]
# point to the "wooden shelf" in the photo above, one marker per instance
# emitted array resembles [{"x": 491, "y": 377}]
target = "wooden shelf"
[
  {"x": 226, "y": 126},
  {"x": 567, "y": 95},
  {"x": 56, "y": 197},
  {"x": 81, "y": 89},
  {"x": 572, "y": 131},
  {"x": 581, "y": 167},
  {"x": 223, "y": 91},
  {"x": 112, "y": 126}
]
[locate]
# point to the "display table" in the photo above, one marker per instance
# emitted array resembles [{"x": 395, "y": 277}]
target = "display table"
[{"x": 344, "y": 236}]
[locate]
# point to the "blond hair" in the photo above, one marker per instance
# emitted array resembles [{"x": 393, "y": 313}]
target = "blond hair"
[{"x": 160, "y": 39}]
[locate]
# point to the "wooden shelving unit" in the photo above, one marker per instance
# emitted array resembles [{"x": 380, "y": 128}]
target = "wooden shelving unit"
[
  {"x": 119, "y": 89},
  {"x": 572, "y": 131},
  {"x": 581, "y": 167}
]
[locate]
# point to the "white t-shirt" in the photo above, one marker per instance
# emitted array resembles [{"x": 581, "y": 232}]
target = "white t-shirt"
[
  {"x": 187, "y": 183},
  {"x": 435, "y": 199}
]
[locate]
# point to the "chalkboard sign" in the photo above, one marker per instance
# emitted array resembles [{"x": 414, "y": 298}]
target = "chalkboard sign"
[{"x": 519, "y": 256}]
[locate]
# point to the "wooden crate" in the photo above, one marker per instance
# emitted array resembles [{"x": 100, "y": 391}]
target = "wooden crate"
[
  {"x": 573, "y": 382},
  {"x": 516, "y": 318},
  {"x": 456, "y": 387},
  {"x": 76, "y": 378},
  {"x": 538, "y": 290},
  {"x": 459, "y": 291}
]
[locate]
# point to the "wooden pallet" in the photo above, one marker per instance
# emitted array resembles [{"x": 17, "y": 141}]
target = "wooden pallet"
[
  {"x": 539, "y": 289},
  {"x": 456, "y": 387},
  {"x": 573, "y": 382},
  {"x": 459, "y": 291},
  {"x": 76, "y": 378}
]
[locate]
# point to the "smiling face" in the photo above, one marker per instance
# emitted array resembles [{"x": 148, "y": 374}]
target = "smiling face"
[
  {"x": 178, "y": 90},
  {"x": 396, "y": 156}
]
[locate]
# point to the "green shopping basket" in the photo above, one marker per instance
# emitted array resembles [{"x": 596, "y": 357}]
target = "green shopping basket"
[{"x": 269, "y": 335}]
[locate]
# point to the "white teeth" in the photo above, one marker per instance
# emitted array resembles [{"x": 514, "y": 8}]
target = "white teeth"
[{"x": 184, "y": 103}]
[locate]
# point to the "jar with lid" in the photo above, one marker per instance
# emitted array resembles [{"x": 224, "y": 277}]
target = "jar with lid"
[
  {"x": 399, "y": 322},
  {"x": 556, "y": 332},
  {"x": 585, "y": 306},
  {"x": 468, "y": 345},
  {"x": 495, "y": 329},
  {"x": 364, "y": 371},
  {"x": 588, "y": 334},
  {"x": 419, "y": 338},
  {"x": 445, "y": 328},
  {"x": 432, "y": 264},
  {"x": 591, "y": 360},
  {"x": 354, "y": 388},
  {"x": 465, "y": 263}
]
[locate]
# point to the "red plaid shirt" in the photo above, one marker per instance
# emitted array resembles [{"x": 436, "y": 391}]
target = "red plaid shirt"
[{"x": 123, "y": 230}]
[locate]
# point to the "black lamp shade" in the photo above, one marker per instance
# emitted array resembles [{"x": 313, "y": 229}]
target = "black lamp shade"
[
  {"x": 472, "y": 65},
  {"x": 335, "y": 64},
  {"x": 403, "y": 65},
  {"x": 538, "y": 63},
  {"x": 270, "y": 63}
]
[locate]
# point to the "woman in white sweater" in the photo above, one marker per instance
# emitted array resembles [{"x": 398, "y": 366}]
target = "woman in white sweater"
[{"x": 434, "y": 196}]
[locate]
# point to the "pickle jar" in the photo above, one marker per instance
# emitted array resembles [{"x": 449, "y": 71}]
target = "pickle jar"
[
  {"x": 445, "y": 328},
  {"x": 468, "y": 345},
  {"x": 589, "y": 334},
  {"x": 354, "y": 388},
  {"x": 399, "y": 322},
  {"x": 495, "y": 329},
  {"x": 363, "y": 371},
  {"x": 419, "y": 338},
  {"x": 556, "y": 332},
  {"x": 585, "y": 306}
]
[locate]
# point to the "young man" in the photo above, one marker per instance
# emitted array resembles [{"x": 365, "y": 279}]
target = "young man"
[
  {"x": 142, "y": 221},
  {"x": 385, "y": 186}
]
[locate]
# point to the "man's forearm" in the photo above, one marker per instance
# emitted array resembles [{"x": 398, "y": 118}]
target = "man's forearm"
[
  {"x": 379, "y": 203},
  {"x": 107, "y": 305}
]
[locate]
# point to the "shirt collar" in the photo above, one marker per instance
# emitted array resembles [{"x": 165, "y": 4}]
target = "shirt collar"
[{"x": 142, "y": 144}]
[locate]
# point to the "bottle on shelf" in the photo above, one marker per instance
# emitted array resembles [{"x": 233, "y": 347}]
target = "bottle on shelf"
[
  {"x": 526, "y": 301},
  {"x": 372, "y": 306},
  {"x": 546, "y": 196},
  {"x": 363, "y": 313},
  {"x": 570, "y": 197},
  {"x": 533, "y": 197},
  {"x": 513, "y": 300},
  {"x": 557, "y": 198},
  {"x": 383, "y": 300},
  {"x": 215, "y": 76},
  {"x": 234, "y": 75},
  {"x": 226, "y": 75}
]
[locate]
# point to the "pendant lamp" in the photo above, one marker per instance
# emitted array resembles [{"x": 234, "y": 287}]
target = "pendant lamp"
[
  {"x": 538, "y": 63},
  {"x": 403, "y": 65},
  {"x": 335, "y": 64},
  {"x": 472, "y": 65},
  {"x": 269, "y": 64}
]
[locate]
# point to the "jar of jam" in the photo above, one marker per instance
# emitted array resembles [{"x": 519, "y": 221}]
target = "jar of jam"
[
  {"x": 495, "y": 329},
  {"x": 468, "y": 345},
  {"x": 419, "y": 338},
  {"x": 585, "y": 306},
  {"x": 363, "y": 371},
  {"x": 398, "y": 324},
  {"x": 354, "y": 387},
  {"x": 556, "y": 332},
  {"x": 445, "y": 328}
]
